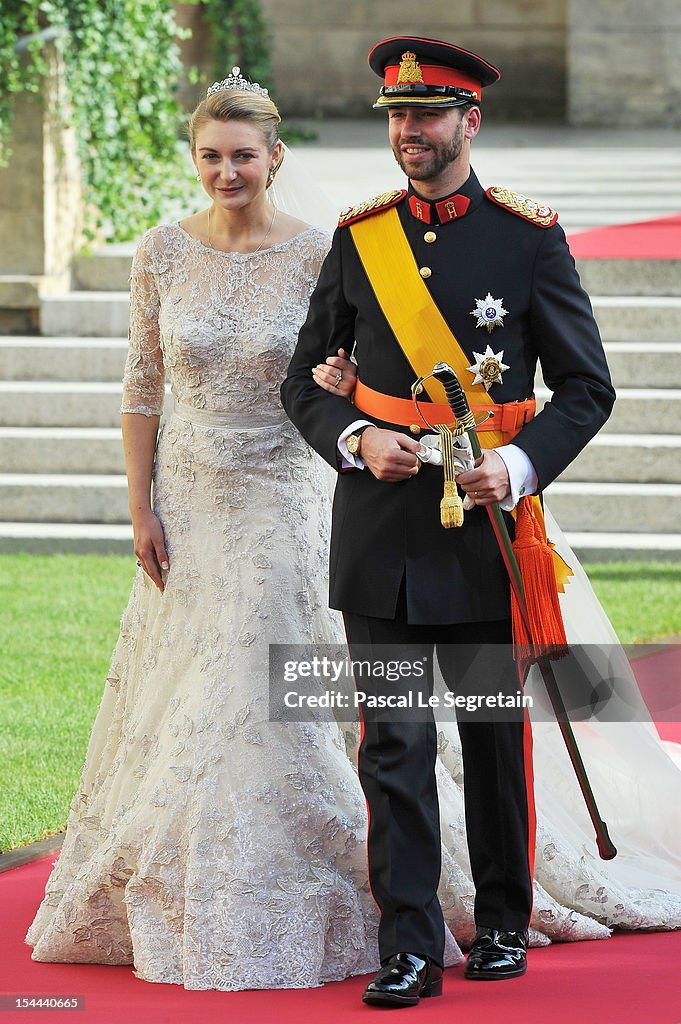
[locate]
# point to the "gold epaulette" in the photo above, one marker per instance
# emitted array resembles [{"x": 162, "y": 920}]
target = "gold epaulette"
[
  {"x": 381, "y": 202},
  {"x": 528, "y": 209}
]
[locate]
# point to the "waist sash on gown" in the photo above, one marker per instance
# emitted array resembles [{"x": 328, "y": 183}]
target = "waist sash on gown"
[{"x": 237, "y": 420}]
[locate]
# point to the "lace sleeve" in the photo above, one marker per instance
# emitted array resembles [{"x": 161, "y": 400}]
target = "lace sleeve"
[
  {"x": 321, "y": 243},
  {"x": 144, "y": 376}
]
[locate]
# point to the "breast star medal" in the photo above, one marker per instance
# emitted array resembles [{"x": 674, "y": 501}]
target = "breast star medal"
[
  {"x": 488, "y": 367},
  {"x": 489, "y": 312}
]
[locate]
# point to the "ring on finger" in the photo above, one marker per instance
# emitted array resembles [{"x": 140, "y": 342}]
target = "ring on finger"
[{"x": 339, "y": 378}]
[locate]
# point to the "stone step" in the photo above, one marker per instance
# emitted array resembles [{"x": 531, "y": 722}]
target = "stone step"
[
  {"x": 583, "y": 507},
  {"x": 636, "y": 364},
  {"x": 108, "y": 269},
  {"x": 61, "y": 450},
  {"x": 66, "y": 359},
  {"x": 616, "y": 507},
  {"x": 96, "y": 404},
  {"x": 630, "y": 277},
  {"x": 92, "y": 538},
  {"x": 104, "y": 270},
  {"x": 62, "y": 403},
  {"x": 632, "y": 363},
  {"x": 105, "y": 314},
  {"x": 67, "y": 538},
  {"x": 639, "y": 410},
  {"x": 60, "y": 498},
  {"x": 648, "y": 364},
  {"x": 631, "y": 318},
  {"x": 644, "y": 458},
  {"x": 625, "y": 547},
  {"x": 100, "y": 314},
  {"x": 632, "y": 458},
  {"x": 59, "y": 403}
]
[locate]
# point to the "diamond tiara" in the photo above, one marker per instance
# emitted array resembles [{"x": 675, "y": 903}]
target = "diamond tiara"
[{"x": 235, "y": 81}]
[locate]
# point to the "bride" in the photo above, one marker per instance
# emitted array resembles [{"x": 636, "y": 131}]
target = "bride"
[{"x": 207, "y": 845}]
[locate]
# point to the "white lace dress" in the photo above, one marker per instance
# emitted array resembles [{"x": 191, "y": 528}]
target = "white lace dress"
[{"x": 206, "y": 845}]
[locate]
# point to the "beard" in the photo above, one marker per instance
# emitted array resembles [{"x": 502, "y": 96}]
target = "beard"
[{"x": 441, "y": 156}]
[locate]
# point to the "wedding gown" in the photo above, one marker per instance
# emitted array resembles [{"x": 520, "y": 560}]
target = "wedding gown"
[{"x": 207, "y": 845}]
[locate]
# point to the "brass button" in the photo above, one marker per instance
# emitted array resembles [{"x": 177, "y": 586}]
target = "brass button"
[
  {"x": 415, "y": 428},
  {"x": 429, "y": 236},
  {"x": 425, "y": 272}
]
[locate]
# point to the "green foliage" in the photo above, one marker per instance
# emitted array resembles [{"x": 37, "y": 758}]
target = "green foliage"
[
  {"x": 17, "y": 19},
  {"x": 240, "y": 38},
  {"x": 122, "y": 66}
]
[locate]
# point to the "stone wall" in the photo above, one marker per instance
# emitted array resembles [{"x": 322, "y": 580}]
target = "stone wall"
[
  {"x": 320, "y": 49},
  {"x": 195, "y": 53},
  {"x": 40, "y": 202},
  {"x": 624, "y": 63}
]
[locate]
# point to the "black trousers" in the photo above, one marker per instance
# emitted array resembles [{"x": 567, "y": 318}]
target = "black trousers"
[{"x": 397, "y": 771}]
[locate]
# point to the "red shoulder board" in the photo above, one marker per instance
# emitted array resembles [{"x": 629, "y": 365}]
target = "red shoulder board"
[
  {"x": 528, "y": 209},
  {"x": 382, "y": 202}
]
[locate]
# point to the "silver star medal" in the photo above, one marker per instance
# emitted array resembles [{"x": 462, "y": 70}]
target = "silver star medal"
[
  {"x": 488, "y": 367},
  {"x": 489, "y": 312}
]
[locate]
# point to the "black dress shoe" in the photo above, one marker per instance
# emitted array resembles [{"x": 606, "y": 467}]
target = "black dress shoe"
[
  {"x": 496, "y": 955},
  {"x": 403, "y": 980}
]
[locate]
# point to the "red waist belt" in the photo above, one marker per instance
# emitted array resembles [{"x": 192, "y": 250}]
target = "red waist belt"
[{"x": 508, "y": 417}]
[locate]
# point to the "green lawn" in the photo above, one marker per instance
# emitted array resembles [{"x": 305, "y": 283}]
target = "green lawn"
[{"x": 59, "y": 619}]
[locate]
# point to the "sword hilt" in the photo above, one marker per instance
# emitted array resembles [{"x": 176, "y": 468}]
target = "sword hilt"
[{"x": 456, "y": 398}]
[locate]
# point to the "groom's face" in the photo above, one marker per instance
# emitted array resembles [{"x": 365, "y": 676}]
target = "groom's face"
[{"x": 425, "y": 140}]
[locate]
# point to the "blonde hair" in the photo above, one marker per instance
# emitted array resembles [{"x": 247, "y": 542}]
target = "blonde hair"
[{"x": 237, "y": 105}]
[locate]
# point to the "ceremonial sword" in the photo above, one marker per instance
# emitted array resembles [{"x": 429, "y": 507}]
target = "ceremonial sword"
[{"x": 458, "y": 403}]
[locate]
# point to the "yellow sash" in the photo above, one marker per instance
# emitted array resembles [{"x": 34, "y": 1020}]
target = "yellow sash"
[{"x": 422, "y": 332}]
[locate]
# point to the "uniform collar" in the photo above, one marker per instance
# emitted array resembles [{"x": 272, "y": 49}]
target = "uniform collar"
[{"x": 448, "y": 208}]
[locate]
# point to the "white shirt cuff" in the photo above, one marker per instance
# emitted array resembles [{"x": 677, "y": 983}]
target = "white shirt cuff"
[
  {"x": 521, "y": 474},
  {"x": 351, "y": 461}
]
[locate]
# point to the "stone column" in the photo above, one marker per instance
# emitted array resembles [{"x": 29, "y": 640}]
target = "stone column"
[
  {"x": 624, "y": 63},
  {"x": 41, "y": 205}
]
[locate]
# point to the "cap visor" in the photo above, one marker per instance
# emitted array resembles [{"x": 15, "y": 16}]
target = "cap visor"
[{"x": 420, "y": 101}]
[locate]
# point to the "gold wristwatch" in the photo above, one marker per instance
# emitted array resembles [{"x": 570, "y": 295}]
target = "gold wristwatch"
[{"x": 353, "y": 441}]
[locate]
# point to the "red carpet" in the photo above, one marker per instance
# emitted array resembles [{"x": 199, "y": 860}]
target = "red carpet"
[
  {"x": 648, "y": 240},
  {"x": 628, "y": 979},
  {"x": 658, "y": 675}
]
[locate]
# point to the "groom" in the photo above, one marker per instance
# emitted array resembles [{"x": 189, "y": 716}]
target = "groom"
[{"x": 444, "y": 258}]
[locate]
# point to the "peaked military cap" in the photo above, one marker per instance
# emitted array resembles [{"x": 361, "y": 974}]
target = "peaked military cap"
[{"x": 429, "y": 73}]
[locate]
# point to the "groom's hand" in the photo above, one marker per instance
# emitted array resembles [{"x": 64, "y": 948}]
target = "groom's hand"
[{"x": 389, "y": 455}]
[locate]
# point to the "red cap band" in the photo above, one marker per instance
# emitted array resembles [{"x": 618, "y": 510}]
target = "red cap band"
[{"x": 437, "y": 74}]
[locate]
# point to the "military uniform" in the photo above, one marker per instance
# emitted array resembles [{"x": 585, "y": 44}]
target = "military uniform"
[
  {"x": 382, "y": 531},
  {"x": 395, "y": 572}
]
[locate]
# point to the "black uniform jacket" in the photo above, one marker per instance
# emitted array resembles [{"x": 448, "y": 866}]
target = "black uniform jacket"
[{"x": 382, "y": 531}]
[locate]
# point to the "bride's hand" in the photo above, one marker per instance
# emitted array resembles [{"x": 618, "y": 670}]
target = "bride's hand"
[
  {"x": 326, "y": 374},
  {"x": 150, "y": 546}
]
